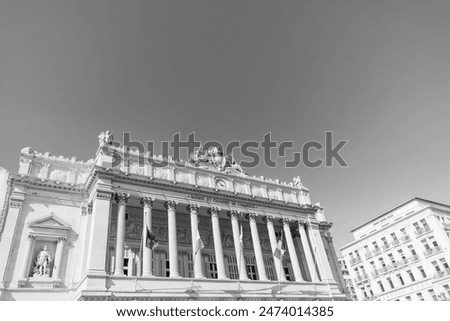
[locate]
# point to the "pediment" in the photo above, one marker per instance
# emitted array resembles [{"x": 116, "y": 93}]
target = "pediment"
[{"x": 50, "y": 222}]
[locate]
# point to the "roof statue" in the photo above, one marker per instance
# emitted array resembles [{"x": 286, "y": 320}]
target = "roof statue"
[
  {"x": 105, "y": 138},
  {"x": 296, "y": 182},
  {"x": 214, "y": 158}
]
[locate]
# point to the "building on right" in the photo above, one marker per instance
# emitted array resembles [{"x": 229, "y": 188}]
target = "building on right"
[{"x": 403, "y": 254}]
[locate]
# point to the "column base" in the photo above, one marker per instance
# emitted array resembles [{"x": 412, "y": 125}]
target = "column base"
[
  {"x": 119, "y": 273},
  {"x": 177, "y": 276},
  {"x": 200, "y": 277},
  {"x": 148, "y": 275}
]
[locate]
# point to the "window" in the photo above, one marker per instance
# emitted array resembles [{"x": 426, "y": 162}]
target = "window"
[
  {"x": 381, "y": 286},
  {"x": 270, "y": 272},
  {"x": 391, "y": 284},
  {"x": 391, "y": 257},
  {"x": 190, "y": 265},
  {"x": 411, "y": 248},
  {"x": 422, "y": 271},
  {"x": 402, "y": 255},
  {"x": 211, "y": 267},
  {"x": 433, "y": 294},
  {"x": 394, "y": 237},
  {"x": 425, "y": 224},
  {"x": 420, "y": 296},
  {"x": 385, "y": 242},
  {"x": 444, "y": 263},
  {"x": 287, "y": 269},
  {"x": 233, "y": 268},
  {"x": 408, "y": 298},
  {"x": 436, "y": 266},
  {"x": 250, "y": 264},
  {"x": 401, "y": 279},
  {"x": 411, "y": 275},
  {"x": 447, "y": 288}
]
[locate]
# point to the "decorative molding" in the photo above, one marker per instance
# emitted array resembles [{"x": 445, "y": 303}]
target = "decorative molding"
[
  {"x": 214, "y": 211},
  {"x": 234, "y": 214},
  {"x": 15, "y": 202},
  {"x": 251, "y": 217},
  {"x": 104, "y": 195}
]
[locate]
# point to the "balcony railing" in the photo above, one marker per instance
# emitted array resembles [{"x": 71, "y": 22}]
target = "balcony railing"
[
  {"x": 432, "y": 251},
  {"x": 441, "y": 274},
  {"x": 354, "y": 260},
  {"x": 361, "y": 277},
  {"x": 420, "y": 230}
]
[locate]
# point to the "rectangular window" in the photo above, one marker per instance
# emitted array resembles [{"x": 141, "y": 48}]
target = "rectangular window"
[
  {"x": 270, "y": 271},
  {"x": 432, "y": 294},
  {"x": 381, "y": 286},
  {"x": 411, "y": 275},
  {"x": 390, "y": 282},
  {"x": 287, "y": 269},
  {"x": 211, "y": 266},
  {"x": 250, "y": 263},
  {"x": 422, "y": 271},
  {"x": 420, "y": 296},
  {"x": 233, "y": 268},
  {"x": 425, "y": 224},
  {"x": 436, "y": 266},
  {"x": 401, "y": 279},
  {"x": 407, "y": 298},
  {"x": 411, "y": 248},
  {"x": 444, "y": 263},
  {"x": 391, "y": 257}
]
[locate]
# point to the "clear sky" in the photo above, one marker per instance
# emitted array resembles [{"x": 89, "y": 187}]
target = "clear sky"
[{"x": 376, "y": 73}]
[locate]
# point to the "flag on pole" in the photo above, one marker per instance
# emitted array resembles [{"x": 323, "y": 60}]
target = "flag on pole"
[
  {"x": 241, "y": 238},
  {"x": 279, "y": 252},
  {"x": 150, "y": 241},
  {"x": 198, "y": 243}
]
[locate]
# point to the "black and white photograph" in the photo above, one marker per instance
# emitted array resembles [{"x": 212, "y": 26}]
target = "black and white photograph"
[{"x": 239, "y": 159}]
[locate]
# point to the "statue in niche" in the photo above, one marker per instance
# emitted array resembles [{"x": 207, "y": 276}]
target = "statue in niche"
[{"x": 42, "y": 263}]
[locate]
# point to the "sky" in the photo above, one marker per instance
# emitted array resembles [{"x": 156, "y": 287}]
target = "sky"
[{"x": 375, "y": 73}]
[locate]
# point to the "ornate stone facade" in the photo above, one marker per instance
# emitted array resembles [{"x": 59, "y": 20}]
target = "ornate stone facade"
[{"x": 186, "y": 230}]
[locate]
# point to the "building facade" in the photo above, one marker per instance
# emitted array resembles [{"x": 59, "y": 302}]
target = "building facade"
[
  {"x": 127, "y": 226},
  {"x": 347, "y": 278},
  {"x": 403, "y": 254}
]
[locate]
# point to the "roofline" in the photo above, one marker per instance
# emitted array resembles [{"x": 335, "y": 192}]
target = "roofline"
[{"x": 396, "y": 208}]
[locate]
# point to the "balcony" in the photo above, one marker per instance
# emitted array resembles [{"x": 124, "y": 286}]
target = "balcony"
[
  {"x": 361, "y": 277},
  {"x": 368, "y": 254},
  {"x": 432, "y": 251},
  {"x": 385, "y": 247},
  {"x": 395, "y": 243},
  {"x": 405, "y": 238},
  {"x": 441, "y": 274},
  {"x": 375, "y": 273},
  {"x": 413, "y": 258},
  {"x": 421, "y": 230},
  {"x": 355, "y": 260}
]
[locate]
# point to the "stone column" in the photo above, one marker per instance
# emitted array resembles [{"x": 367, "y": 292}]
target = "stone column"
[
  {"x": 121, "y": 200},
  {"x": 197, "y": 257},
  {"x": 99, "y": 235},
  {"x": 257, "y": 247},
  {"x": 235, "y": 215},
  {"x": 292, "y": 253},
  {"x": 58, "y": 258},
  {"x": 221, "y": 274},
  {"x": 146, "y": 259},
  {"x": 307, "y": 250},
  {"x": 320, "y": 253},
  {"x": 27, "y": 257},
  {"x": 281, "y": 276},
  {"x": 173, "y": 248}
]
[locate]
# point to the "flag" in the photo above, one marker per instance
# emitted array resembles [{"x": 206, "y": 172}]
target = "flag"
[
  {"x": 198, "y": 243},
  {"x": 150, "y": 241},
  {"x": 279, "y": 252},
  {"x": 241, "y": 239}
]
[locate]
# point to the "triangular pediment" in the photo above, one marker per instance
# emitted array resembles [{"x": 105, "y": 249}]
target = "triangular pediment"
[{"x": 50, "y": 221}]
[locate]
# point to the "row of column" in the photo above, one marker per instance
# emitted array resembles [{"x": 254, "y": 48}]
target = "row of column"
[{"x": 303, "y": 228}]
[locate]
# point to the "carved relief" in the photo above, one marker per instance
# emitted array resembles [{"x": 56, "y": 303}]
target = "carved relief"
[
  {"x": 160, "y": 173},
  {"x": 182, "y": 177},
  {"x": 136, "y": 169},
  {"x": 273, "y": 194},
  {"x": 203, "y": 181}
]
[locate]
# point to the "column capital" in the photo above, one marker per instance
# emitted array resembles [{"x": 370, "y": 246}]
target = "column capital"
[
  {"x": 192, "y": 208},
  {"x": 62, "y": 239},
  {"x": 251, "y": 217},
  {"x": 170, "y": 205},
  {"x": 31, "y": 236},
  {"x": 214, "y": 211},
  {"x": 121, "y": 198},
  {"x": 325, "y": 225},
  {"x": 234, "y": 214},
  {"x": 269, "y": 218},
  {"x": 285, "y": 221},
  {"x": 302, "y": 223},
  {"x": 146, "y": 201}
]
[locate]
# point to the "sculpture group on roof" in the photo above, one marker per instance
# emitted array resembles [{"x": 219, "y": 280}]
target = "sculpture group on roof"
[{"x": 214, "y": 158}]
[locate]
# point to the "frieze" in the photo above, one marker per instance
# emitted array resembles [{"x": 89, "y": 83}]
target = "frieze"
[{"x": 15, "y": 203}]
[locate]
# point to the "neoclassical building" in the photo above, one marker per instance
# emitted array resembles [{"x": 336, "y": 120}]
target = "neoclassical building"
[{"x": 74, "y": 230}]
